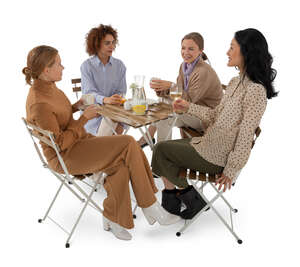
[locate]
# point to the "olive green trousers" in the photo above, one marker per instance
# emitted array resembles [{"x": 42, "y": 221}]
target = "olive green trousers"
[{"x": 171, "y": 156}]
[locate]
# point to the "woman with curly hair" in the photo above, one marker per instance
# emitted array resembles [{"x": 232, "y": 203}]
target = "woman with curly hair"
[
  {"x": 103, "y": 76},
  {"x": 225, "y": 147}
]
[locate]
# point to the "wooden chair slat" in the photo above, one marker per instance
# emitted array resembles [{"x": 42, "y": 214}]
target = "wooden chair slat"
[
  {"x": 42, "y": 138},
  {"x": 191, "y": 132},
  {"x": 77, "y": 80},
  {"x": 77, "y": 89},
  {"x": 193, "y": 176}
]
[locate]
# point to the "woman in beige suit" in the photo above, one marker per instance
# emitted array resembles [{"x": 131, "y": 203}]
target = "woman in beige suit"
[
  {"x": 119, "y": 156},
  {"x": 225, "y": 147},
  {"x": 198, "y": 82}
]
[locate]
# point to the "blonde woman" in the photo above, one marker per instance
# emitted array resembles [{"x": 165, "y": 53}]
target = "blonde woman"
[{"x": 119, "y": 156}]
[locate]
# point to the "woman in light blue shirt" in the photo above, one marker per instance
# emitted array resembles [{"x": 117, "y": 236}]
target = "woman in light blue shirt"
[{"x": 103, "y": 76}]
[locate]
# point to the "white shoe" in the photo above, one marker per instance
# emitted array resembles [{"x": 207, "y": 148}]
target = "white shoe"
[
  {"x": 116, "y": 229},
  {"x": 157, "y": 213}
]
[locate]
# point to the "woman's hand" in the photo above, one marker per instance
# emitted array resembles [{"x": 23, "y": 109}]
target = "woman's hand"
[
  {"x": 113, "y": 100},
  {"x": 78, "y": 104},
  {"x": 180, "y": 105},
  {"x": 160, "y": 85},
  {"x": 91, "y": 112},
  {"x": 224, "y": 181}
]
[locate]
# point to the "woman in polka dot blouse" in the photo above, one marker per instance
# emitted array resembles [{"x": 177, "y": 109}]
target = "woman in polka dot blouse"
[{"x": 226, "y": 145}]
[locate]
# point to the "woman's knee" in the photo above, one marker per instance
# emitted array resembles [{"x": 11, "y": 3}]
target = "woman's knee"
[{"x": 127, "y": 138}]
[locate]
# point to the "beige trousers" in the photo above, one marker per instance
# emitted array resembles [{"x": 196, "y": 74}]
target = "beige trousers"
[
  {"x": 122, "y": 158},
  {"x": 184, "y": 120},
  {"x": 105, "y": 129}
]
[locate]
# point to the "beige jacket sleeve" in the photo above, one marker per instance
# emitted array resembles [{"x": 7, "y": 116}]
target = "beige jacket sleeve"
[{"x": 254, "y": 106}]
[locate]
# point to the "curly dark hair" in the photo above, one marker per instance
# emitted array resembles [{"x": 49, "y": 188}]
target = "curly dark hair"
[
  {"x": 257, "y": 59},
  {"x": 95, "y": 35}
]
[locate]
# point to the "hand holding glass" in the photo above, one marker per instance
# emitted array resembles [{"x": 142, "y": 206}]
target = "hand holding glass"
[{"x": 180, "y": 105}]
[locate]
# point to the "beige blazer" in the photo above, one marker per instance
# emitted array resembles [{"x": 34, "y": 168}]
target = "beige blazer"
[{"x": 204, "y": 87}]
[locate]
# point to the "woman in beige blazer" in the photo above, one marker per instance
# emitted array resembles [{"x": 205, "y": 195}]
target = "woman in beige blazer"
[
  {"x": 225, "y": 146},
  {"x": 198, "y": 82}
]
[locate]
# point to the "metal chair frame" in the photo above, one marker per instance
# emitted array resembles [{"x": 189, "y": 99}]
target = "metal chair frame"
[
  {"x": 67, "y": 180},
  {"x": 194, "y": 177}
]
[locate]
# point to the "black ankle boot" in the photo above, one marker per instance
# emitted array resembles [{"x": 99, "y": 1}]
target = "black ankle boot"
[
  {"x": 170, "y": 202},
  {"x": 192, "y": 200}
]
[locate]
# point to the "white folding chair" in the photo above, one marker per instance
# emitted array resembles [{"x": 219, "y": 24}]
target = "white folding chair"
[
  {"x": 194, "y": 177},
  {"x": 67, "y": 180}
]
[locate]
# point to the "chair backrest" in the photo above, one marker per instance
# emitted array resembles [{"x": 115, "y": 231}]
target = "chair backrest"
[
  {"x": 76, "y": 88},
  {"x": 46, "y": 137}
]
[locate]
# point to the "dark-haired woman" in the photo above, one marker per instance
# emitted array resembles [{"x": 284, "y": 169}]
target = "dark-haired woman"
[
  {"x": 198, "y": 81},
  {"x": 103, "y": 76},
  {"x": 226, "y": 144},
  {"x": 119, "y": 156}
]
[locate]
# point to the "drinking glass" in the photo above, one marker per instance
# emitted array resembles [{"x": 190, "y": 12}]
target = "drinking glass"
[
  {"x": 123, "y": 99},
  {"x": 175, "y": 93},
  {"x": 88, "y": 99},
  {"x": 160, "y": 99}
]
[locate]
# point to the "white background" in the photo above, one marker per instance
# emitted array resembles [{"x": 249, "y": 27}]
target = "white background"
[{"x": 150, "y": 33}]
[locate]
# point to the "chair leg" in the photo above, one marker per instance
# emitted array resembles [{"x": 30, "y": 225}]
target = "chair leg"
[
  {"x": 64, "y": 181},
  {"x": 134, "y": 210},
  {"x": 81, "y": 213},
  {"x": 220, "y": 194},
  {"x": 189, "y": 222},
  {"x": 225, "y": 200},
  {"x": 51, "y": 204},
  {"x": 209, "y": 203},
  {"x": 227, "y": 225}
]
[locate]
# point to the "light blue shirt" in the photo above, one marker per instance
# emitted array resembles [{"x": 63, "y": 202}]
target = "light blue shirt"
[{"x": 102, "y": 81}]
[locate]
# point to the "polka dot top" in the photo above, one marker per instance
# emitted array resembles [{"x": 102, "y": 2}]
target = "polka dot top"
[{"x": 231, "y": 125}]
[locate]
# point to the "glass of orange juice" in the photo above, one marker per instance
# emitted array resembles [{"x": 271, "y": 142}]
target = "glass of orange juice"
[
  {"x": 139, "y": 109},
  {"x": 123, "y": 98}
]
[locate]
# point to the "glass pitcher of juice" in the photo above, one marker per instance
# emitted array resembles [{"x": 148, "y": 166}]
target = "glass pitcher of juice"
[{"x": 139, "y": 102}]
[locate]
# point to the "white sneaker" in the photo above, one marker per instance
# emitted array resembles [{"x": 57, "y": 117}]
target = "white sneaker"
[
  {"x": 157, "y": 213},
  {"x": 116, "y": 229}
]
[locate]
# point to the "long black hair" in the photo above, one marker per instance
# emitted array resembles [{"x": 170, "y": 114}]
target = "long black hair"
[{"x": 257, "y": 59}]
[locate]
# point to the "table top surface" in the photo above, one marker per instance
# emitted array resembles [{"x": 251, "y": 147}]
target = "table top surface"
[{"x": 155, "y": 113}]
